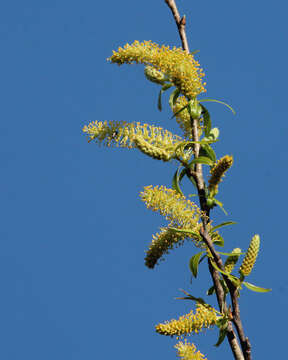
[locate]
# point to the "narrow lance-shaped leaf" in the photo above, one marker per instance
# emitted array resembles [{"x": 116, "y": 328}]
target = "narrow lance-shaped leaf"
[
  {"x": 194, "y": 263},
  {"x": 226, "y": 223},
  {"x": 207, "y": 120},
  {"x": 159, "y": 102},
  {"x": 207, "y": 151},
  {"x": 221, "y": 206},
  {"x": 173, "y": 97},
  {"x": 211, "y": 291},
  {"x": 186, "y": 231},
  {"x": 255, "y": 288},
  {"x": 230, "y": 254},
  {"x": 220, "y": 102},
  {"x": 202, "y": 160},
  {"x": 164, "y": 88},
  {"x": 221, "y": 337},
  {"x": 176, "y": 180},
  {"x": 234, "y": 279}
]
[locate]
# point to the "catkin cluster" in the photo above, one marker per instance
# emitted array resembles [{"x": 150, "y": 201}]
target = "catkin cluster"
[
  {"x": 218, "y": 171},
  {"x": 191, "y": 323},
  {"x": 152, "y": 140},
  {"x": 178, "y": 65},
  {"x": 161, "y": 244},
  {"x": 251, "y": 256},
  {"x": 188, "y": 351},
  {"x": 180, "y": 211}
]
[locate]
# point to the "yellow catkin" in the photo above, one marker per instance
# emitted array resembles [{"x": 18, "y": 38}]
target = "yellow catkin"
[
  {"x": 178, "y": 65},
  {"x": 218, "y": 171},
  {"x": 188, "y": 351},
  {"x": 161, "y": 244},
  {"x": 191, "y": 323},
  {"x": 154, "y": 75},
  {"x": 250, "y": 257},
  {"x": 123, "y": 134},
  {"x": 152, "y": 150},
  {"x": 232, "y": 260},
  {"x": 175, "y": 207}
]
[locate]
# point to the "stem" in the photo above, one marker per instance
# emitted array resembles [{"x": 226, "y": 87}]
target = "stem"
[
  {"x": 180, "y": 23},
  {"x": 198, "y": 177}
]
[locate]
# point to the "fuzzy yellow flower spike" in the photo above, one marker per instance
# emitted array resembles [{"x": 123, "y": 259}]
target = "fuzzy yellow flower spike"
[
  {"x": 218, "y": 171},
  {"x": 180, "y": 211},
  {"x": 188, "y": 351},
  {"x": 161, "y": 244},
  {"x": 190, "y": 323},
  {"x": 152, "y": 140},
  {"x": 250, "y": 257},
  {"x": 178, "y": 65}
]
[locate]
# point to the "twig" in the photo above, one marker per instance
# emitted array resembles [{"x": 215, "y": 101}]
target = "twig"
[
  {"x": 180, "y": 22},
  {"x": 198, "y": 176}
]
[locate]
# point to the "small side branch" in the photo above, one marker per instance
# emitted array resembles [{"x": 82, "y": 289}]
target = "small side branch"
[{"x": 180, "y": 22}]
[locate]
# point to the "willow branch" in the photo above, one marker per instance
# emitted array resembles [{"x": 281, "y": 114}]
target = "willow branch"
[
  {"x": 198, "y": 176},
  {"x": 245, "y": 343}
]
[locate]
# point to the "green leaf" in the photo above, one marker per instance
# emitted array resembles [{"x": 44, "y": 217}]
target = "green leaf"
[
  {"x": 211, "y": 290},
  {"x": 224, "y": 286},
  {"x": 159, "y": 103},
  {"x": 194, "y": 52},
  {"x": 220, "y": 102},
  {"x": 207, "y": 120},
  {"x": 186, "y": 231},
  {"x": 202, "y": 160},
  {"x": 206, "y": 150},
  {"x": 255, "y": 288},
  {"x": 176, "y": 180},
  {"x": 221, "y": 206},
  {"x": 164, "y": 88},
  {"x": 194, "y": 263},
  {"x": 233, "y": 278},
  {"x": 191, "y": 179},
  {"x": 173, "y": 97},
  {"x": 191, "y": 297},
  {"x": 202, "y": 258},
  {"x": 185, "y": 172},
  {"x": 221, "y": 337},
  {"x": 226, "y": 223},
  {"x": 229, "y": 254},
  {"x": 219, "y": 240}
]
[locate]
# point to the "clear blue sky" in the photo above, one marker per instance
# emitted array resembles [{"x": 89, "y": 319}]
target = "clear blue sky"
[{"x": 73, "y": 230}]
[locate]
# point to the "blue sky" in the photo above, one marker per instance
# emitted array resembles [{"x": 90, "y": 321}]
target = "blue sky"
[{"x": 73, "y": 234}]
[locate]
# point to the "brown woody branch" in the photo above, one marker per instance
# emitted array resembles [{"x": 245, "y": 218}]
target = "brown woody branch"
[
  {"x": 198, "y": 176},
  {"x": 180, "y": 22}
]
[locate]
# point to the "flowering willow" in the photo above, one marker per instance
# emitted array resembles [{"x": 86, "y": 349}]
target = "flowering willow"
[
  {"x": 182, "y": 69},
  {"x": 187, "y": 221}
]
